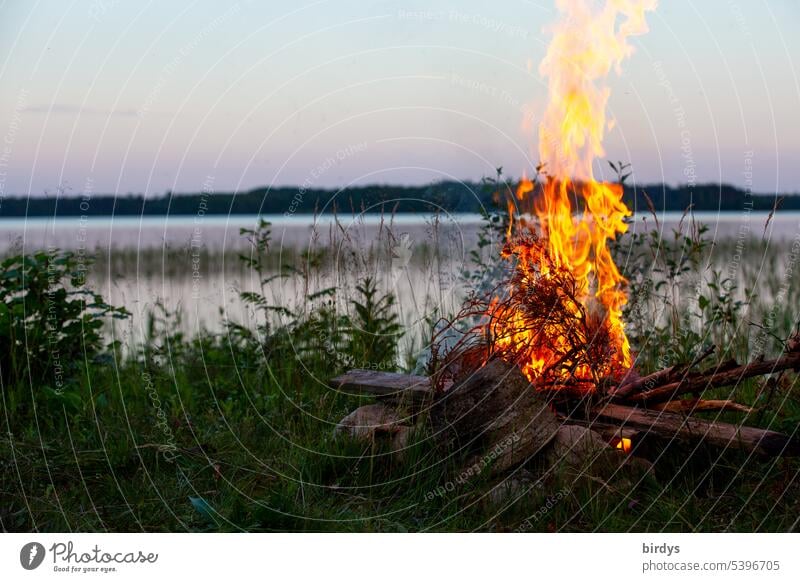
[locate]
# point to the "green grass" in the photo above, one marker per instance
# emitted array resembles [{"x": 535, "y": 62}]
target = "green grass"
[
  {"x": 256, "y": 453},
  {"x": 234, "y": 431}
]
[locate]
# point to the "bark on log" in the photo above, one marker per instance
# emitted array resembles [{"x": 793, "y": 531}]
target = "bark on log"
[
  {"x": 496, "y": 415},
  {"x": 720, "y": 434},
  {"x": 610, "y": 431},
  {"x": 586, "y": 454},
  {"x": 644, "y": 383},
  {"x": 701, "y": 382},
  {"x": 383, "y": 384},
  {"x": 658, "y": 378},
  {"x": 699, "y": 405}
]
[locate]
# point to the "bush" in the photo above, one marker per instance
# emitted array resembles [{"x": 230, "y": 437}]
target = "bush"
[{"x": 50, "y": 322}]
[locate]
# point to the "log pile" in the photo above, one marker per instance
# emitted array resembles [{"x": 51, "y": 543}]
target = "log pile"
[{"x": 494, "y": 411}]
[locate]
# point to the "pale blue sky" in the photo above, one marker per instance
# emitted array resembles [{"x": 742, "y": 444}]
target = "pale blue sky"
[{"x": 151, "y": 96}]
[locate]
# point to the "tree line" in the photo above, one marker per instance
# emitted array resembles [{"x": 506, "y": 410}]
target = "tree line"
[{"x": 445, "y": 196}]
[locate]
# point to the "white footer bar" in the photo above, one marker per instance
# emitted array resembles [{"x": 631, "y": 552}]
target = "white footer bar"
[{"x": 401, "y": 557}]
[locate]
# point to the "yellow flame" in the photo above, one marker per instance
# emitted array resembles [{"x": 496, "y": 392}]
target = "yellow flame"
[
  {"x": 587, "y": 44},
  {"x": 624, "y": 444}
]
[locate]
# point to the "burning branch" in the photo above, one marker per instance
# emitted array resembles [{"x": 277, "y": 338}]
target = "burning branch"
[{"x": 543, "y": 325}]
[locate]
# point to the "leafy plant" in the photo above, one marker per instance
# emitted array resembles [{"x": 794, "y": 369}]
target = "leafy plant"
[
  {"x": 374, "y": 330},
  {"x": 50, "y": 322}
]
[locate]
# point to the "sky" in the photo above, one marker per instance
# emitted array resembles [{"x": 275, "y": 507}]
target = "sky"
[{"x": 117, "y": 96}]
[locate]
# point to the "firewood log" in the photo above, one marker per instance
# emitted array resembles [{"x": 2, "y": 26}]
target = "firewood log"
[
  {"x": 701, "y": 382},
  {"x": 496, "y": 416},
  {"x": 719, "y": 434},
  {"x": 659, "y": 378},
  {"x": 699, "y": 405}
]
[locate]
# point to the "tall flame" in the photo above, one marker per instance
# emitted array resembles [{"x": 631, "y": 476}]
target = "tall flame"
[{"x": 587, "y": 44}]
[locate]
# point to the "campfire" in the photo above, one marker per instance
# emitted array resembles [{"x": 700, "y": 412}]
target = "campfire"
[
  {"x": 562, "y": 319},
  {"x": 545, "y": 353}
]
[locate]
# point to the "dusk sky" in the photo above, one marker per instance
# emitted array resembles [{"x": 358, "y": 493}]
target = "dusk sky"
[{"x": 152, "y": 96}]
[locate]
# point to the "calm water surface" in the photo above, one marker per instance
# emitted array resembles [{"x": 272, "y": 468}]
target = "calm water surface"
[
  {"x": 299, "y": 230},
  {"x": 421, "y": 259}
]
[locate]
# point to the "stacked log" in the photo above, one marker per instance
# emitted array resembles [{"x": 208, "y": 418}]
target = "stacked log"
[{"x": 494, "y": 413}]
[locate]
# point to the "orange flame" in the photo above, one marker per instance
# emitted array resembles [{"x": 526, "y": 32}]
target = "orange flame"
[
  {"x": 624, "y": 444},
  {"x": 577, "y": 215}
]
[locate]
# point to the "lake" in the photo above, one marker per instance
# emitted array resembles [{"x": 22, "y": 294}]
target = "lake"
[
  {"x": 223, "y": 231},
  {"x": 190, "y": 264}
]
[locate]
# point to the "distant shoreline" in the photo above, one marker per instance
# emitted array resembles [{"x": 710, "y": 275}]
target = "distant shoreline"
[
  {"x": 372, "y": 217},
  {"x": 452, "y": 197}
]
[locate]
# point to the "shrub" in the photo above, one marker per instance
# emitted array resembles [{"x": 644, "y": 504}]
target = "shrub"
[{"x": 50, "y": 322}]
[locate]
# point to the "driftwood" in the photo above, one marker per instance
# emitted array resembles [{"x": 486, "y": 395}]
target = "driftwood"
[
  {"x": 493, "y": 415},
  {"x": 648, "y": 382},
  {"x": 715, "y": 379},
  {"x": 699, "y": 405},
  {"x": 495, "y": 412},
  {"x": 383, "y": 384},
  {"x": 610, "y": 431},
  {"x": 720, "y": 434}
]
